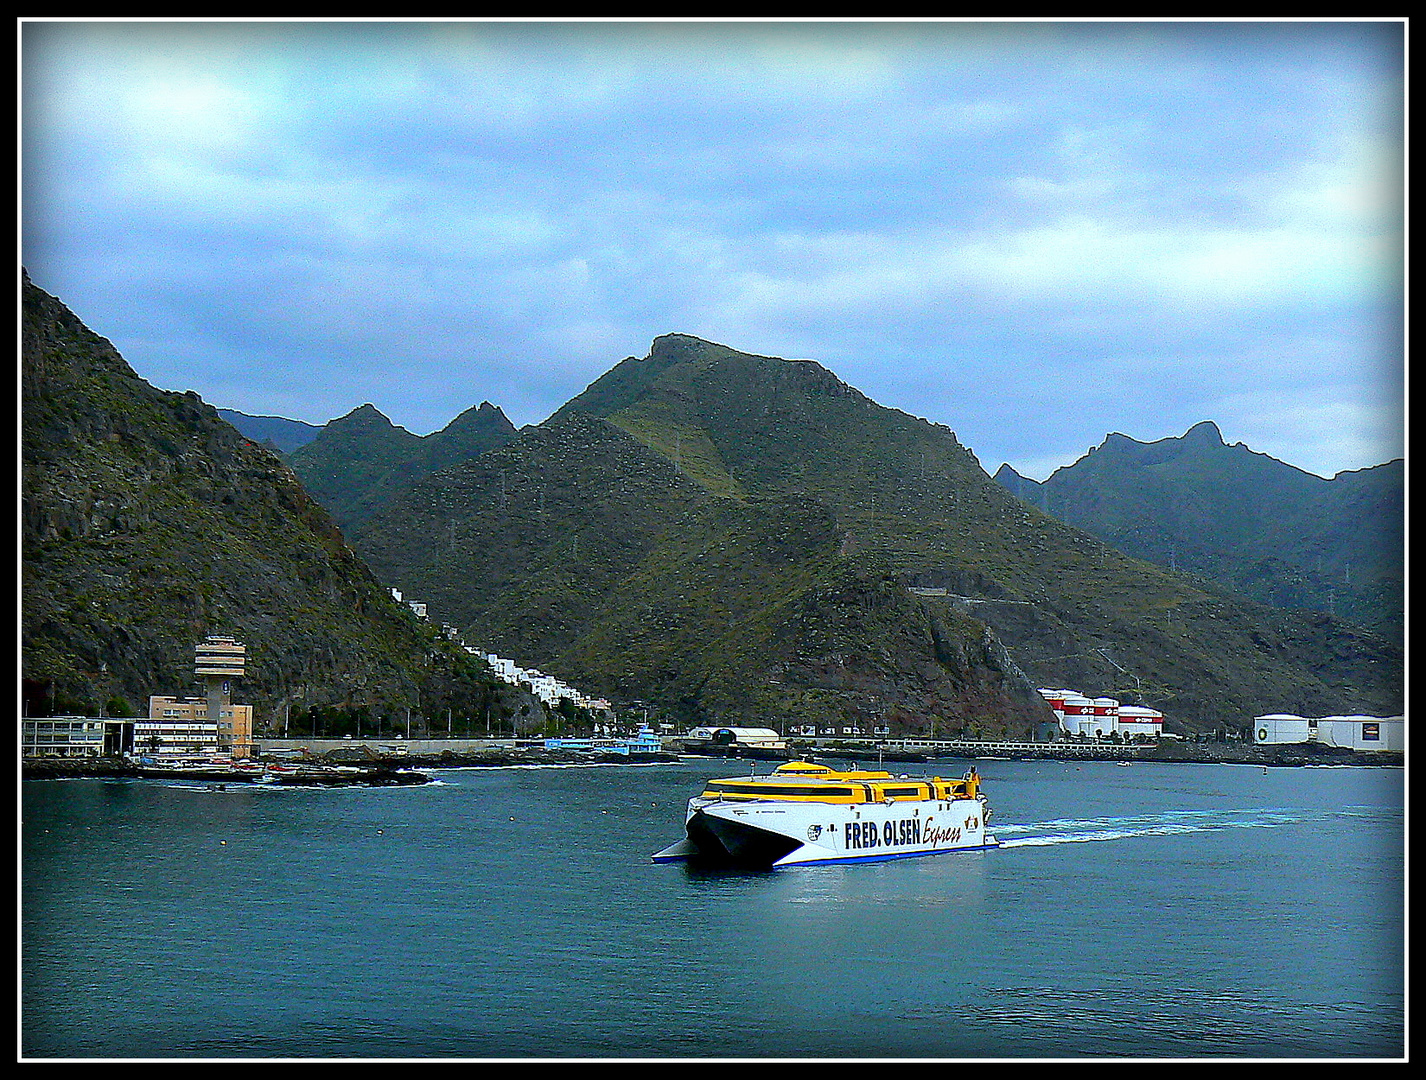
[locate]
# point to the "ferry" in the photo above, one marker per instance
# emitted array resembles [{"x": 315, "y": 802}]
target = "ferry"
[{"x": 808, "y": 814}]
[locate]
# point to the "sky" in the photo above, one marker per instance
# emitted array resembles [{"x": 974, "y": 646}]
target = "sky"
[{"x": 1035, "y": 234}]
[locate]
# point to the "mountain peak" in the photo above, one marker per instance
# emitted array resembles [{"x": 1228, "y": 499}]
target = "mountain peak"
[
  {"x": 484, "y": 415},
  {"x": 367, "y": 412},
  {"x": 1204, "y": 432}
]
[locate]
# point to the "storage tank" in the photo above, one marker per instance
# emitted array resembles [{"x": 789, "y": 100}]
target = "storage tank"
[
  {"x": 1105, "y": 714},
  {"x": 1138, "y": 720},
  {"x": 1056, "y": 700},
  {"x": 1079, "y": 715}
]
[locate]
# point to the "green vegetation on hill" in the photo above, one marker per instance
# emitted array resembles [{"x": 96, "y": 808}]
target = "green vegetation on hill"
[
  {"x": 148, "y": 523},
  {"x": 588, "y": 545}
]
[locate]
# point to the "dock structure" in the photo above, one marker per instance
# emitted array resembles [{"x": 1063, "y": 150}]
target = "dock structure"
[{"x": 218, "y": 661}]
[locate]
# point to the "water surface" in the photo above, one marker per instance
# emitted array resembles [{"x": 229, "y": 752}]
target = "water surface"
[{"x": 1145, "y": 911}]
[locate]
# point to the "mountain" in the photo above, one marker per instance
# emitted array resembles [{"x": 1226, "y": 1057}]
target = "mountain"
[
  {"x": 749, "y": 539},
  {"x": 282, "y": 434},
  {"x": 147, "y": 523},
  {"x": 1252, "y": 524},
  {"x": 356, "y": 462}
]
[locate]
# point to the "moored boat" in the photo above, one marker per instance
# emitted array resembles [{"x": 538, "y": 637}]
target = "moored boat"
[{"x": 806, "y": 813}]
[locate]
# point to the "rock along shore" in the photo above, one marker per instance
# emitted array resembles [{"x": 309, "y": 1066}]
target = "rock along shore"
[{"x": 330, "y": 770}]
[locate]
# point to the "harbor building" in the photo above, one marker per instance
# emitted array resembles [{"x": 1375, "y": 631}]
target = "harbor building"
[
  {"x": 75, "y": 736},
  {"x": 181, "y": 725},
  {"x": 766, "y": 738},
  {"x": 211, "y": 723}
]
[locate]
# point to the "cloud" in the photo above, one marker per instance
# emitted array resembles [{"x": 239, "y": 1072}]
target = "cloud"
[{"x": 963, "y": 219}]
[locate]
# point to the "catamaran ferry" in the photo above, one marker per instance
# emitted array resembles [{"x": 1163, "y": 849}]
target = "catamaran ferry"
[{"x": 806, "y": 813}]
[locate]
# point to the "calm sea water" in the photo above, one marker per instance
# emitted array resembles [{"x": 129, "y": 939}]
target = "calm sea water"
[{"x": 1153, "y": 910}]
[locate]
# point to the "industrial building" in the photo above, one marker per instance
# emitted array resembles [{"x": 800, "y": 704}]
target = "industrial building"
[
  {"x": 1354, "y": 732},
  {"x": 765, "y": 738}
]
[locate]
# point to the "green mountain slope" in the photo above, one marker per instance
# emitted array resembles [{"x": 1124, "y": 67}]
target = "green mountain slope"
[
  {"x": 1254, "y": 525},
  {"x": 580, "y": 548},
  {"x": 148, "y": 523},
  {"x": 356, "y": 462},
  {"x": 866, "y": 567}
]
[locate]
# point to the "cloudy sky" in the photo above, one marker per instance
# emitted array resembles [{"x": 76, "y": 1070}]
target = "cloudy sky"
[{"x": 1034, "y": 234}]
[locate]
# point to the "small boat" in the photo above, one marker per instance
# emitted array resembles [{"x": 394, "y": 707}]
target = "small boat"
[{"x": 807, "y": 814}]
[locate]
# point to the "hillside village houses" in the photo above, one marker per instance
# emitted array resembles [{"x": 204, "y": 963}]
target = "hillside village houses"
[{"x": 547, "y": 688}]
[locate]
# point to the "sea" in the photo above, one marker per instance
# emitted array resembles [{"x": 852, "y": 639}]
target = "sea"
[{"x": 1149, "y": 911}]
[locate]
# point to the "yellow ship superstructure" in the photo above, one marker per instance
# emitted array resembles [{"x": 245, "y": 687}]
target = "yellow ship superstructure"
[{"x": 804, "y": 781}]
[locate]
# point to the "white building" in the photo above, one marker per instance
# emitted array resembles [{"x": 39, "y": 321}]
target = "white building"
[
  {"x": 1354, "y": 732},
  {"x": 64, "y": 736},
  {"x": 728, "y": 736}
]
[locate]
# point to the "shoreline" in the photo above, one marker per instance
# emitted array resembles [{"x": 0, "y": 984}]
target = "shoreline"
[
  {"x": 1284, "y": 755},
  {"x": 338, "y": 769}
]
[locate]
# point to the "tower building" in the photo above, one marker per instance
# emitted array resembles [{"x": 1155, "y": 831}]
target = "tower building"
[{"x": 218, "y": 661}]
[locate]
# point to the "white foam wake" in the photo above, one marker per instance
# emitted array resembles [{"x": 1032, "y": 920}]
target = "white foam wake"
[{"x": 1090, "y": 830}]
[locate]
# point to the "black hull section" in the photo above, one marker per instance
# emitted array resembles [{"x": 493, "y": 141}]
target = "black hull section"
[{"x": 727, "y": 843}]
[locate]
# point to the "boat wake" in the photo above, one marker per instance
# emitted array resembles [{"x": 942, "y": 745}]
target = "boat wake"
[{"x": 1090, "y": 830}]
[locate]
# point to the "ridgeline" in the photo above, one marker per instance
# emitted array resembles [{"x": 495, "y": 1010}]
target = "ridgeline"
[
  {"x": 1245, "y": 521},
  {"x": 147, "y": 523},
  {"x": 745, "y": 539}
]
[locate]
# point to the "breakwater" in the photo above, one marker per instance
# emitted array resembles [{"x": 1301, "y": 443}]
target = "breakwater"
[{"x": 314, "y": 774}]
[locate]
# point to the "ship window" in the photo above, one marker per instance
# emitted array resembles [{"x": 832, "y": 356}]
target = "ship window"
[{"x": 820, "y": 791}]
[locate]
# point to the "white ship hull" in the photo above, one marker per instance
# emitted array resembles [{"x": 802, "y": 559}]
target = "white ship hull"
[{"x": 775, "y": 833}]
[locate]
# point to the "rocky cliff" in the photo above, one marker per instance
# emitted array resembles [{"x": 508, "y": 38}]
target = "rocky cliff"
[{"x": 147, "y": 523}]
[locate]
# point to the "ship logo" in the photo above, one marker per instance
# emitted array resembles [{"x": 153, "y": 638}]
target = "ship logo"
[{"x": 814, "y": 831}]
